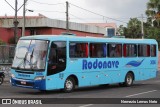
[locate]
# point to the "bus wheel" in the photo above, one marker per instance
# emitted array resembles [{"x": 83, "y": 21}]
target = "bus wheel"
[
  {"x": 1, "y": 80},
  {"x": 69, "y": 85},
  {"x": 128, "y": 79}
]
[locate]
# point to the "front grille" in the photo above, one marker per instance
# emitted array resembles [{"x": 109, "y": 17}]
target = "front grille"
[{"x": 25, "y": 72}]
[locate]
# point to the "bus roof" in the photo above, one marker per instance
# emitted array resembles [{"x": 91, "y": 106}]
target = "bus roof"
[{"x": 89, "y": 39}]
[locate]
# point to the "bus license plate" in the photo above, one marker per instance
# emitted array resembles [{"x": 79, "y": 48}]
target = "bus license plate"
[{"x": 23, "y": 82}]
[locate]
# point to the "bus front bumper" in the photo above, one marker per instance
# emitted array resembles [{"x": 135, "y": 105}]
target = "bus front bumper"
[{"x": 33, "y": 84}]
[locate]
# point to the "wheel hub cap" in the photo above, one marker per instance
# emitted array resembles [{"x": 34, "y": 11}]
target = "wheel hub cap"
[
  {"x": 69, "y": 85},
  {"x": 129, "y": 80}
]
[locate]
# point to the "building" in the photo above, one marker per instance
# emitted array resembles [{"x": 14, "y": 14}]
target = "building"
[
  {"x": 41, "y": 25},
  {"x": 111, "y": 28}
]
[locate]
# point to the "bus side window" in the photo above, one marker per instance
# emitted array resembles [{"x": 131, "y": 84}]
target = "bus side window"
[
  {"x": 104, "y": 50},
  {"x": 78, "y": 50},
  {"x": 111, "y": 50},
  {"x": 98, "y": 50},
  {"x": 143, "y": 50},
  {"x": 135, "y": 50},
  {"x": 119, "y": 50},
  {"x": 86, "y": 50},
  {"x": 114, "y": 50},
  {"x": 91, "y": 50},
  {"x": 129, "y": 50},
  {"x": 124, "y": 50},
  {"x": 53, "y": 53},
  {"x": 148, "y": 50},
  {"x": 72, "y": 50},
  {"x": 153, "y": 50}
]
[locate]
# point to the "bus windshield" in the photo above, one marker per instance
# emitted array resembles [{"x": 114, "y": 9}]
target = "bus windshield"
[{"x": 30, "y": 55}]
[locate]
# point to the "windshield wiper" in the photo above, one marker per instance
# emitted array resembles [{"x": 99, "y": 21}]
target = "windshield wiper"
[
  {"x": 31, "y": 57},
  {"x": 23, "y": 61},
  {"x": 25, "y": 57}
]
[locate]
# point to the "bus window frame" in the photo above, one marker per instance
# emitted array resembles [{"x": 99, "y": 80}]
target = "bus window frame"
[
  {"x": 155, "y": 50},
  {"x": 97, "y": 43},
  {"x": 80, "y": 42},
  {"x": 49, "y": 51},
  {"x": 115, "y": 44},
  {"x": 136, "y": 50},
  {"x": 143, "y": 44}
]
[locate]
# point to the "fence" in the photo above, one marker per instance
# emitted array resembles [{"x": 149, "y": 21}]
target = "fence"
[
  {"x": 7, "y": 54},
  {"x": 6, "y": 57}
]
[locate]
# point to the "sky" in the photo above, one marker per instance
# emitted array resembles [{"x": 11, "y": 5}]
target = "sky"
[{"x": 106, "y": 10}]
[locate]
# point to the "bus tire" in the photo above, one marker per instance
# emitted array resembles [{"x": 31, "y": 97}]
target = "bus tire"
[
  {"x": 69, "y": 85},
  {"x": 128, "y": 79},
  {"x": 1, "y": 80}
]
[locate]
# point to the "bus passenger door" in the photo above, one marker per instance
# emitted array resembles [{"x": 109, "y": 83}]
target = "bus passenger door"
[{"x": 56, "y": 64}]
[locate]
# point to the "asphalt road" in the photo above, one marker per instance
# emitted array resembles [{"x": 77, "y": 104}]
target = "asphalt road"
[{"x": 142, "y": 89}]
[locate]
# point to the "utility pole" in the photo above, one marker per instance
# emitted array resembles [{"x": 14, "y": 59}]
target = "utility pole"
[
  {"x": 142, "y": 29},
  {"x": 24, "y": 19},
  {"x": 67, "y": 17},
  {"x": 15, "y": 23}
]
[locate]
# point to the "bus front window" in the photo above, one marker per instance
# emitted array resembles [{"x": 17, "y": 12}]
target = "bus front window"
[{"x": 30, "y": 55}]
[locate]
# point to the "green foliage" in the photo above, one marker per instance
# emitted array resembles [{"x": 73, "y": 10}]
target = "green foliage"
[
  {"x": 133, "y": 29},
  {"x": 153, "y": 8},
  {"x": 2, "y": 43},
  {"x": 151, "y": 27},
  {"x": 154, "y": 33},
  {"x": 121, "y": 30},
  {"x": 11, "y": 40}
]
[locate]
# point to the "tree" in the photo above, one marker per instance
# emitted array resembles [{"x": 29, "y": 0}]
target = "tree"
[
  {"x": 153, "y": 13},
  {"x": 153, "y": 8},
  {"x": 154, "y": 33},
  {"x": 133, "y": 28},
  {"x": 120, "y": 30}
]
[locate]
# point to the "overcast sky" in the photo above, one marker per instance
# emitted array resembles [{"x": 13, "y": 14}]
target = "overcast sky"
[{"x": 117, "y": 9}]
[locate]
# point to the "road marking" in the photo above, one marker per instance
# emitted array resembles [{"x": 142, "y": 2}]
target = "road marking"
[
  {"x": 86, "y": 105},
  {"x": 141, "y": 93}
]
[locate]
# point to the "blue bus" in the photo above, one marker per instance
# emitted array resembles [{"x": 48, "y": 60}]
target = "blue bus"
[{"x": 47, "y": 62}]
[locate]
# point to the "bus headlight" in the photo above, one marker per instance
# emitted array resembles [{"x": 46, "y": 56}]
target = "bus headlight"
[
  {"x": 39, "y": 78},
  {"x": 12, "y": 75}
]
